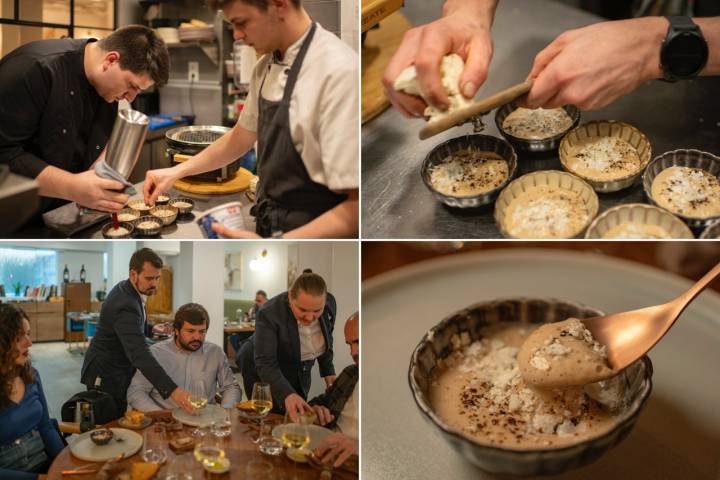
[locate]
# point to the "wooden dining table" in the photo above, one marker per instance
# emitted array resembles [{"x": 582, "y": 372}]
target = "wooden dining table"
[{"x": 239, "y": 449}]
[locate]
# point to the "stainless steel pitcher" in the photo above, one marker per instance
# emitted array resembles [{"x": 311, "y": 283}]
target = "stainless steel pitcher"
[{"x": 126, "y": 141}]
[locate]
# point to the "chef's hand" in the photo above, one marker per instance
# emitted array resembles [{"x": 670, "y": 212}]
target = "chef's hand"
[
  {"x": 338, "y": 447},
  {"x": 157, "y": 182},
  {"x": 296, "y": 406},
  {"x": 464, "y": 29},
  {"x": 98, "y": 193},
  {"x": 226, "y": 232},
  {"x": 592, "y": 66},
  {"x": 323, "y": 414},
  {"x": 182, "y": 398}
]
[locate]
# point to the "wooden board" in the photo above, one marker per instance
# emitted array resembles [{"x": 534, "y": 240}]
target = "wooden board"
[
  {"x": 380, "y": 45},
  {"x": 374, "y": 11},
  {"x": 237, "y": 183}
]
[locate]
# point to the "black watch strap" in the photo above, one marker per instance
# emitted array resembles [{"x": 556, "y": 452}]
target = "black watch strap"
[{"x": 684, "y": 51}]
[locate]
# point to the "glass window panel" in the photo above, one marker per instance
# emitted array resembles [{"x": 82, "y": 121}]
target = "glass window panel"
[
  {"x": 85, "y": 32},
  {"x": 46, "y": 11},
  {"x": 20, "y": 267},
  {"x": 95, "y": 13},
  {"x": 12, "y": 36}
]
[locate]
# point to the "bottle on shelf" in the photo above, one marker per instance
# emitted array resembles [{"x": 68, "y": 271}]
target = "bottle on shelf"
[
  {"x": 66, "y": 274},
  {"x": 82, "y": 274}
]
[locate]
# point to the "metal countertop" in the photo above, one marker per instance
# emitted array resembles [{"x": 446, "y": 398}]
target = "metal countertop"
[{"x": 396, "y": 204}]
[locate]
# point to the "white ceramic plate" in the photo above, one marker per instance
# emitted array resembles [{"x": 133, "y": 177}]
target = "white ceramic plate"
[
  {"x": 204, "y": 418},
  {"x": 83, "y": 447},
  {"x": 678, "y": 433}
]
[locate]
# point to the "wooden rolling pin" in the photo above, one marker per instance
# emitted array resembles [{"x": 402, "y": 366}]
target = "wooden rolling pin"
[{"x": 462, "y": 115}]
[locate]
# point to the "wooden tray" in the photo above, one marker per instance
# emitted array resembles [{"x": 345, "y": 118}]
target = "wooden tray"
[{"x": 237, "y": 183}]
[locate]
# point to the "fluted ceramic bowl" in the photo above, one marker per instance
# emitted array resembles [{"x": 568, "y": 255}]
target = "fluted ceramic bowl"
[
  {"x": 682, "y": 158},
  {"x": 638, "y": 213},
  {"x": 526, "y": 145},
  {"x": 551, "y": 178},
  {"x": 607, "y": 128},
  {"x": 441, "y": 340},
  {"x": 485, "y": 143}
]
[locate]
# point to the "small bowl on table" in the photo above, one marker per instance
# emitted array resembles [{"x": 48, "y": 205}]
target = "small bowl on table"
[
  {"x": 139, "y": 206},
  {"x": 595, "y": 131},
  {"x": 689, "y": 158},
  {"x": 101, "y": 436},
  {"x": 128, "y": 215},
  {"x": 167, "y": 214},
  {"x": 475, "y": 143},
  {"x": 184, "y": 205},
  {"x": 148, "y": 226},
  {"x": 124, "y": 230},
  {"x": 162, "y": 199},
  {"x": 431, "y": 355},
  {"x": 534, "y": 145}
]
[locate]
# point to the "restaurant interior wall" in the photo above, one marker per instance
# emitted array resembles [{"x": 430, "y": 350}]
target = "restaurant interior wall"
[
  {"x": 74, "y": 255},
  {"x": 272, "y": 278}
]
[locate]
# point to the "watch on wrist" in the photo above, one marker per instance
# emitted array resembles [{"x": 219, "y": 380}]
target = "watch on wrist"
[{"x": 684, "y": 51}]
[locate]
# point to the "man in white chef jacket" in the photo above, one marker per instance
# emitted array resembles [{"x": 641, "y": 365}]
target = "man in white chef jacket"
[{"x": 302, "y": 109}]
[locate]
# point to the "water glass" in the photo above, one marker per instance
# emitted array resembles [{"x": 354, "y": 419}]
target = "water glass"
[
  {"x": 221, "y": 427},
  {"x": 154, "y": 448}
]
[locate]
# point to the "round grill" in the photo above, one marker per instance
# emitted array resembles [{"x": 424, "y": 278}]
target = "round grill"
[{"x": 194, "y": 136}]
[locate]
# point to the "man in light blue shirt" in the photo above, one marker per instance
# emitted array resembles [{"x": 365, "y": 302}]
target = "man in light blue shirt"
[{"x": 187, "y": 358}]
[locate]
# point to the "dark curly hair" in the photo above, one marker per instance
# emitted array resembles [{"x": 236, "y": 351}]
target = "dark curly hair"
[{"x": 11, "y": 329}]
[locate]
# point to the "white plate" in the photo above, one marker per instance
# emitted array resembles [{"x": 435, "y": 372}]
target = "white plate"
[
  {"x": 82, "y": 446},
  {"x": 316, "y": 432},
  {"x": 202, "y": 419},
  {"x": 678, "y": 433}
]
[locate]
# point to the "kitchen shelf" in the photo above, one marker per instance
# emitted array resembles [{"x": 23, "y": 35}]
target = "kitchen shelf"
[{"x": 209, "y": 48}]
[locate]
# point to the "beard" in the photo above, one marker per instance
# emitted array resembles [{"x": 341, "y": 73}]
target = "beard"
[
  {"x": 149, "y": 291},
  {"x": 191, "y": 346}
]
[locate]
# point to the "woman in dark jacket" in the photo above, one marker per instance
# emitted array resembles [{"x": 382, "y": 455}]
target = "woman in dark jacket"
[
  {"x": 292, "y": 331},
  {"x": 29, "y": 440}
]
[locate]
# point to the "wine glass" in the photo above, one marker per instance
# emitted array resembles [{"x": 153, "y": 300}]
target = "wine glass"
[
  {"x": 153, "y": 450},
  {"x": 294, "y": 436},
  {"x": 198, "y": 395},
  {"x": 261, "y": 403},
  {"x": 198, "y": 399}
]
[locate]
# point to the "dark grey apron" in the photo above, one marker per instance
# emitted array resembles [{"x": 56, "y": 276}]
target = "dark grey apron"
[{"x": 287, "y": 197}]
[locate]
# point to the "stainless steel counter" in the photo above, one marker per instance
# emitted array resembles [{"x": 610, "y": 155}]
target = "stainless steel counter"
[
  {"x": 396, "y": 204},
  {"x": 184, "y": 228}
]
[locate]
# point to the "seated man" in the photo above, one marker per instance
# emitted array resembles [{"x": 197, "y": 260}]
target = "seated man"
[
  {"x": 187, "y": 358},
  {"x": 338, "y": 406}
]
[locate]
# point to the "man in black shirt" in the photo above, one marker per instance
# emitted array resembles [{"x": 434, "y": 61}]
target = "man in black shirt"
[{"x": 57, "y": 109}]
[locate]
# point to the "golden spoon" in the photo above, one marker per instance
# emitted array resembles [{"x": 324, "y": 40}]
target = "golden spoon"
[{"x": 630, "y": 335}]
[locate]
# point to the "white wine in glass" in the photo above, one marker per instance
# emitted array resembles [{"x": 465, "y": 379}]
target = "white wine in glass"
[
  {"x": 261, "y": 403},
  {"x": 198, "y": 395},
  {"x": 295, "y": 436}
]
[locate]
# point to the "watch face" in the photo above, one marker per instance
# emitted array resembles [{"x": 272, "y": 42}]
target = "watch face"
[{"x": 685, "y": 55}]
